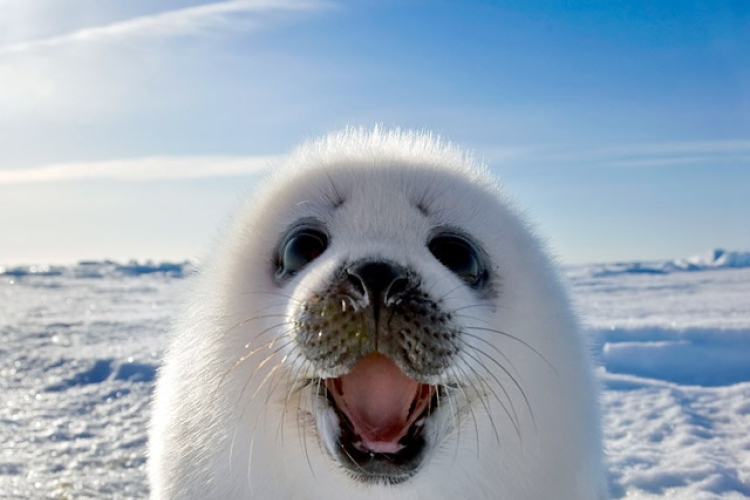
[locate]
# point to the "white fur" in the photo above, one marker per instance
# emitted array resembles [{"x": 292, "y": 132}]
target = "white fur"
[{"x": 225, "y": 425}]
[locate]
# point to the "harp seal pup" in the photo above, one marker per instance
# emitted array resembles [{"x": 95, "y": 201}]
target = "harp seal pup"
[{"x": 377, "y": 323}]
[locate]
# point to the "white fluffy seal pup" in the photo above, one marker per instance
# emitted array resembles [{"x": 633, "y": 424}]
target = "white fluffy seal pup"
[{"x": 378, "y": 323}]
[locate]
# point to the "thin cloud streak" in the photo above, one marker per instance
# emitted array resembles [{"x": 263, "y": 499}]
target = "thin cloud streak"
[
  {"x": 142, "y": 169},
  {"x": 712, "y": 160},
  {"x": 637, "y": 155},
  {"x": 143, "y": 65},
  {"x": 193, "y": 167},
  {"x": 721, "y": 147},
  {"x": 187, "y": 21}
]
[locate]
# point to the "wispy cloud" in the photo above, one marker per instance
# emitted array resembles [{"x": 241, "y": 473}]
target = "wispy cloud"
[
  {"x": 142, "y": 68},
  {"x": 636, "y": 155},
  {"x": 201, "y": 19},
  {"x": 194, "y": 167},
  {"x": 686, "y": 148},
  {"x": 667, "y": 161},
  {"x": 142, "y": 169}
]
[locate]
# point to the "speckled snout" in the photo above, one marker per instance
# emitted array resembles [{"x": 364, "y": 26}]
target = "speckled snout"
[{"x": 376, "y": 306}]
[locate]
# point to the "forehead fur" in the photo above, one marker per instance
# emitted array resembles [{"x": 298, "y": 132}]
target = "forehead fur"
[
  {"x": 377, "y": 147},
  {"x": 376, "y": 169}
]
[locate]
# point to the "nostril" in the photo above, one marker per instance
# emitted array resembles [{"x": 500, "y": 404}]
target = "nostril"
[
  {"x": 356, "y": 282},
  {"x": 379, "y": 281},
  {"x": 398, "y": 286}
]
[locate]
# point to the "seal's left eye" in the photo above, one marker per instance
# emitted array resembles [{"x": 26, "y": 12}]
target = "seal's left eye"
[
  {"x": 300, "y": 249},
  {"x": 459, "y": 256}
]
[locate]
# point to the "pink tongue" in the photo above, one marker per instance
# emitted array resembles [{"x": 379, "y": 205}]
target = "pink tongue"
[{"x": 376, "y": 397}]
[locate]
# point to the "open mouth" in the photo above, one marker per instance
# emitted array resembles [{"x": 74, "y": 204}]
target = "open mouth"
[{"x": 382, "y": 414}]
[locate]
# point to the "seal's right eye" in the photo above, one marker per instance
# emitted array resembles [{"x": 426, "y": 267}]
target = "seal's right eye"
[
  {"x": 300, "y": 248},
  {"x": 460, "y": 256}
]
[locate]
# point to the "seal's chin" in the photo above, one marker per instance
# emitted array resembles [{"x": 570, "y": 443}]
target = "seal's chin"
[{"x": 381, "y": 418}]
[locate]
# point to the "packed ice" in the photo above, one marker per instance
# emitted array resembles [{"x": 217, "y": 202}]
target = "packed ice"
[{"x": 80, "y": 346}]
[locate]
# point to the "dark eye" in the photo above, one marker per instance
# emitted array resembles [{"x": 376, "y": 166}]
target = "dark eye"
[
  {"x": 459, "y": 256},
  {"x": 299, "y": 249}
]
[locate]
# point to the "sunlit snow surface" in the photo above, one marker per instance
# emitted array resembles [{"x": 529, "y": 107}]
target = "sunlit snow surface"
[{"x": 80, "y": 345}]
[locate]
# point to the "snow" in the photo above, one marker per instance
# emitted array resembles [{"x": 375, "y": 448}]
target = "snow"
[
  {"x": 712, "y": 259},
  {"x": 103, "y": 269},
  {"x": 674, "y": 347},
  {"x": 80, "y": 346},
  {"x": 78, "y": 353}
]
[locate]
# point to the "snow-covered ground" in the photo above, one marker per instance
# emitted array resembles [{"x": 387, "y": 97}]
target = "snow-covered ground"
[
  {"x": 80, "y": 345},
  {"x": 675, "y": 349}
]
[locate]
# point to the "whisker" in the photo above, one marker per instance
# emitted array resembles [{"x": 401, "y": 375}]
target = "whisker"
[
  {"x": 321, "y": 445},
  {"x": 512, "y": 378},
  {"x": 292, "y": 376},
  {"x": 484, "y": 398},
  {"x": 472, "y": 306},
  {"x": 266, "y": 292},
  {"x": 253, "y": 318},
  {"x": 513, "y": 337},
  {"x": 269, "y": 376},
  {"x": 257, "y": 369},
  {"x": 442, "y": 278},
  {"x": 244, "y": 409},
  {"x": 274, "y": 383},
  {"x": 512, "y": 413},
  {"x": 303, "y": 429},
  {"x": 445, "y": 296},
  {"x": 453, "y": 426},
  {"x": 494, "y": 347},
  {"x": 249, "y": 461},
  {"x": 245, "y": 357},
  {"x": 468, "y": 403},
  {"x": 351, "y": 458}
]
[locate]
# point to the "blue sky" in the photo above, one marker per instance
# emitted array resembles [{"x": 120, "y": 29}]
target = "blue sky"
[{"x": 131, "y": 129}]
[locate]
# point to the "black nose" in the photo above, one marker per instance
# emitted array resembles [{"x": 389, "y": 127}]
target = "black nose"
[{"x": 380, "y": 281}]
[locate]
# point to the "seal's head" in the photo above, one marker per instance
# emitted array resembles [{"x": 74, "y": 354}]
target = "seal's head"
[{"x": 378, "y": 322}]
